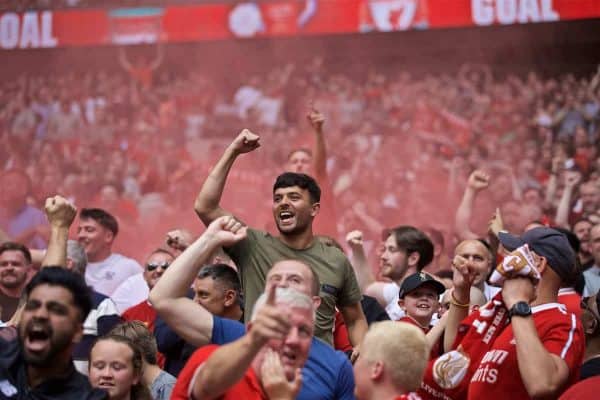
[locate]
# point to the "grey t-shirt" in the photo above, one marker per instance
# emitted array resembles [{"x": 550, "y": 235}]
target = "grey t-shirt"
[{"x": 162, "y": 386}]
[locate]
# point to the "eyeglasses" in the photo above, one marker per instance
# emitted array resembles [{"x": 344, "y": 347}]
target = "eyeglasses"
[{"x": 152, "y": 266}]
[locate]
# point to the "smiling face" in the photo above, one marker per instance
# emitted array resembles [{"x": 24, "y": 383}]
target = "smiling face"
[
  {"x": 13, "y": 269},
  {"x": 49, "y": 326},
  {"x": 95, "y": 239},
  {"x": 112, "y": 369},
  {"x": 421, "y": 303},
  {"x": 156, "y": 265},
  {"x": 293, "y": 210}
]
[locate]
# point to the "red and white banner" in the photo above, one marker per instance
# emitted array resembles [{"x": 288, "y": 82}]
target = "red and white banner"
[{"x": 277, "y": 18}]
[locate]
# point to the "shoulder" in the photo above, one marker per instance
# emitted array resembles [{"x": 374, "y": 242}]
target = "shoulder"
[{"x": 125, "y": 261}]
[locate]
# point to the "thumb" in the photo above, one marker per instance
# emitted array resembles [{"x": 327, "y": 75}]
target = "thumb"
[{"x": 271, "y": 295}]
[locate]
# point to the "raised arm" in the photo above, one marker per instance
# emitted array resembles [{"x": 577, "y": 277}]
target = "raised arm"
[
  {"x": 60, "y": 213},
  {"x": 317, "y": 120},
  {"x": 227, "y": 365},
  {"x": 572, "y": 179},
  {"x": 542, "y": 372},
  {"x": 363, "y": 272},
  {"x": 123, "y": 61},
  {"x": 207, "y": 202},
  {"x": 160, "y": 55},
  {"x": 462, "y": 278},
  {"x": 168, "y": 296},
  {"x": 478, "y": 180}
]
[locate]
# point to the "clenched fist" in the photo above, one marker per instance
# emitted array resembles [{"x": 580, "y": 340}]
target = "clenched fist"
[{"x": 60, "y": 212}]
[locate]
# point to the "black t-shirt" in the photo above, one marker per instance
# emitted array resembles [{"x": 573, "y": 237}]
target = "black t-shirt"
[
  {"x": 590, "y": 368},
  {"x": 8, "y": 305},
  {"x": 14, "y": 386}
]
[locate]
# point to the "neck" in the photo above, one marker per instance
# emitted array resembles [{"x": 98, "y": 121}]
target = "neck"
[
  {"x": 101, "y": 255},
  {"x": 546, "y": 294},
  {"x": 422, "y": 322},
  {"x": 592, "y": 348},
  {"x": 13, "y": 292},
  {"x": 38, "y": 375},
  {"x": 386, "y": 392},
  {"x": 234, "y": 313},
  {"x": 151, "y": 372},
  {"x": 298, "y": 241},
  {"x": 408, "y": 272}
]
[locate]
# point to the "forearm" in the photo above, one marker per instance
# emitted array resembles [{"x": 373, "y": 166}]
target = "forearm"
[
  {"x": 540, "y": 373},
  {"x": 551, "y": 189},
  {"x": 463, "y": 215},
  {"x": 455, "y": 316},
  {"x": 357, "y": 328},
  {"x": 207, "y": 202},
  {"x": 57, "y": 247},
  {"x": 516, "y": 189},
  {"x": 363, "y": 272},
  {"x": 320, "y": 158},
  {"x": 180, "y": 275},
  {"x": 224, "y": 368},
  {"x": 562, "y": 211}
]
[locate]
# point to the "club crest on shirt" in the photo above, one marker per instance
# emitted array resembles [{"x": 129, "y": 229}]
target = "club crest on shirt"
[{"x": 450, "y": 369}]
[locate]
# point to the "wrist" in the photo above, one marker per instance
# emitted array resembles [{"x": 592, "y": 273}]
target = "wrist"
[
  {"x": 59, "y": 227},
  {"x": 461, "y": 295}
]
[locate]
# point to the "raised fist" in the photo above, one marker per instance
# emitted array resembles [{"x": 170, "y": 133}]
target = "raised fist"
[
  {"x": 478, "y": 180},
  {"x": 179, "y": 239},
  {"x": 60, "y": 212},
  {"x": 226, "y": 230},
  {"x": 354, "y": 239},
  {"x": 572, "y": 178},
  {"x": 245, "y": 142},
  {"x": 316, "y": 119}
]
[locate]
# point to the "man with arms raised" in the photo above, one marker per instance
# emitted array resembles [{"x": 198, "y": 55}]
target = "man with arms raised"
[
  {"x": 327, "y": 373},
  {"x": 295, "y": 205}
]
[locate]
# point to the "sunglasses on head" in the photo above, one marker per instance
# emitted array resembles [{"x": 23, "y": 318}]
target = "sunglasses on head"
[{"x": 152, "y": 266}]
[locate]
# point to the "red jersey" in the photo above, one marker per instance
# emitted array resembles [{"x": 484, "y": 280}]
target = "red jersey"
[
  {"x": 586, "y": 389},
  {"x": 145, "y": 313},
  {"x": 248, "y": 388},
  {"x": 571, "y": 300},
  {"x": 341, "y": 341},
  {"x": 498, "y": 372}
]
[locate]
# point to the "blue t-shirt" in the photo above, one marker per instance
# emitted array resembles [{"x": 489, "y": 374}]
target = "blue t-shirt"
[{"x": 327, "y": 373}]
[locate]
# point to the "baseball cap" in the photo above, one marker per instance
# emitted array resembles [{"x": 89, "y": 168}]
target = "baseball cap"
[
  {"x": 548, "y": 243},
  {"x": 419, "y": 279}
]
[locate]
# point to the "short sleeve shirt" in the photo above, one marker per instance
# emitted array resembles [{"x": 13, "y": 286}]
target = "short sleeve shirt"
[
  {"x": 256, "y": 254},
  {"x": 498, "y": 372},
  {"x": 248, "y": 388}
]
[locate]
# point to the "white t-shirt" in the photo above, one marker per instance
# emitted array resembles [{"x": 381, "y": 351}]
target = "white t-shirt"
[
  {"x": 105, "y": 276},
  {"x": 131, "y": 292},
  {"x": 390, "y": 295}
]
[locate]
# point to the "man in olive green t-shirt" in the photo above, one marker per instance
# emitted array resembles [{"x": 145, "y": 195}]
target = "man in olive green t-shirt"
[{"x": 295, "y": 205}]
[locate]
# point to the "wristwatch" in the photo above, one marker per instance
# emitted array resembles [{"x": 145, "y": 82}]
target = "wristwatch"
[{"x": 520, "y": 309}]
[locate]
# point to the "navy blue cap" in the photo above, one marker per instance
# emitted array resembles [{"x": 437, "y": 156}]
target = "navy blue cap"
[
  {"x": 419, "y": 279},
  {"x": 548, "y": 243}
]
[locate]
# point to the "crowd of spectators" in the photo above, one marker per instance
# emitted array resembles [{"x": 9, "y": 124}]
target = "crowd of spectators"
[{"x": 425, "y": 176}]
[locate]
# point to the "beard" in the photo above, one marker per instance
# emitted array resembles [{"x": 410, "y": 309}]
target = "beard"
[{"x": 57, "y": 343}]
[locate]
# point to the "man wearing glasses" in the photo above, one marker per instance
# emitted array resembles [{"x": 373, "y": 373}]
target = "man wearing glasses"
[{"x": 156, "y": 265}]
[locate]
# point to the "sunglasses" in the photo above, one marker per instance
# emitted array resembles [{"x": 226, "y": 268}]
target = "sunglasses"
[{"x": 152, "y": 266}]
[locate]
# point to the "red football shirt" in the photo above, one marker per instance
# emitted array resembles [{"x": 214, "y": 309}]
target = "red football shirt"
[
  {"x": 498, "y": 372},
  {"x": 145, "y": 313},
  {"x": 248, "y": 388},
  {"x": 572, "y": 300}
]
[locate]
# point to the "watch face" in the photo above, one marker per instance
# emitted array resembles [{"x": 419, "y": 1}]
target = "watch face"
[{"x": 521, "y": 308}]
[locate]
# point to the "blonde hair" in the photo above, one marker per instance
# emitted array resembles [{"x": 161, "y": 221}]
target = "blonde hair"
[{"x": 403, "y": 350}]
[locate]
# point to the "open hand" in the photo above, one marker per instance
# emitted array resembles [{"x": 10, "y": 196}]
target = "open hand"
[{"x": 274, "y": 380}]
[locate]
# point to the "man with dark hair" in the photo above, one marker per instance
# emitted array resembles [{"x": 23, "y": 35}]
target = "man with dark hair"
[
  {"x": 21, "y": 222},
  {"x": 327, "y": 374},
  {"x": 38, "y": 364},
  {"x": 15, "y": 270},
  {"x": 105, "y": 270},
  {"x": 406, "y": 250},
  {"x": 217, "y": 288},
  {"x": 295, "y": 205}
]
